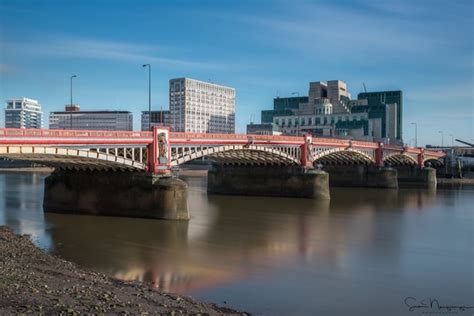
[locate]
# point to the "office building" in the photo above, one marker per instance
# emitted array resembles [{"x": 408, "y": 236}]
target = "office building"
[
  {"x": 393, "y": 101},
  {"x": 329, "y": 111},
  {"x": 91, "y": 120},
  {"x": 201, "y": 107},
  {"x": 23, "y": 113},
  {"x": 158, "y": 118}
]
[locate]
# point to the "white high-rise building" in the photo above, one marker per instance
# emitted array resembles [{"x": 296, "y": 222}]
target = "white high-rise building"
[
  {"x": 23, "y": 113},
  {"x": 201, "y": 107}
]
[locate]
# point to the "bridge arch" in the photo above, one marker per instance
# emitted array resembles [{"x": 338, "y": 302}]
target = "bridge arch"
[
  {"x": 70, "y": 158},
  {"x": 343, "y": 156},
  {"x": 240, "y": 154},
  {"x": 400, "y": 159},
  {"x": 433, "y": 162}
]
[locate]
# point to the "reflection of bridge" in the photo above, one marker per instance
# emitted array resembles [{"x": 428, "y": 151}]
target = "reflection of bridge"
[{"x": 117, "y": 150}]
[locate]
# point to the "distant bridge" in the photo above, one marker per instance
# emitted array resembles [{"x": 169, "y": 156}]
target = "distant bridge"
[{"x": 159, "y": 150}]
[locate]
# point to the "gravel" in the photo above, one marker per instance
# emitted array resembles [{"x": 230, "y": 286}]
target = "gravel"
[{"x": 33, "y": 281}]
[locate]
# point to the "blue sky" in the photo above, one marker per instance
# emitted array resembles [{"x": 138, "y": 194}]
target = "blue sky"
[{"x": 262, "y": 48}]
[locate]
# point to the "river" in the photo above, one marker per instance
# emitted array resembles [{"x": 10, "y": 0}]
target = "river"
[{"x": 361, "y": 253}]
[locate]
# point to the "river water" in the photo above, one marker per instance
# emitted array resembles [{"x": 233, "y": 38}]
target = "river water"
[{"x": 361, "y": 253}]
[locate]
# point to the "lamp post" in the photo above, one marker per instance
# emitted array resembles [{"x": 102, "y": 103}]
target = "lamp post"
[
  {"x": 452, "y": 140},
  {"x": 70, "y": 109},
  {"x": 442, "y": 138},
  {"x": 149, "y": 94},
  {"x": 416, "y": 133}
]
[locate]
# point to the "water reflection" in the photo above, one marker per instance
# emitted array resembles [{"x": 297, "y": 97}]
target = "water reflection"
[
  {"x": 297, "y": 256},
  {"x": 21, "y": 199},
  {"x": 228, "y": 237}
]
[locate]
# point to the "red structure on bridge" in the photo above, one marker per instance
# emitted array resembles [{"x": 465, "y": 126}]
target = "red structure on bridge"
[{"x": 160, "y": 150}]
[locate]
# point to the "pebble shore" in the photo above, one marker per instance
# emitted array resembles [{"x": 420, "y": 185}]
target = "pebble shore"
[{"x": 35, "y": 282}]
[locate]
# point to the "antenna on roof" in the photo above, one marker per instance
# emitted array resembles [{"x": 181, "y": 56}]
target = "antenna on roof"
[{"x": 365, "y": 88}]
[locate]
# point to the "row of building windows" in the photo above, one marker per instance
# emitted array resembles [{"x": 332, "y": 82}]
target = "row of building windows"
[{"x": 315, "y": 120}]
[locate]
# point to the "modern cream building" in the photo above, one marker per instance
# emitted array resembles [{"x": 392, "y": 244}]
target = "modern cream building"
[{"x": 201, "y": 107}]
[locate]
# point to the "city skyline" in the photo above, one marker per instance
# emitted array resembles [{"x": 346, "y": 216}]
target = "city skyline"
[{"x": 263, "y": 50}]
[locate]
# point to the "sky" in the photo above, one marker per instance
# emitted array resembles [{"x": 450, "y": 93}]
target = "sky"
[{"x": 263, "y": 49}]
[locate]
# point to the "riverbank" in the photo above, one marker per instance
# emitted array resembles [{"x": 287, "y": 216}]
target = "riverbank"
[{"x": 33, "y": 281}]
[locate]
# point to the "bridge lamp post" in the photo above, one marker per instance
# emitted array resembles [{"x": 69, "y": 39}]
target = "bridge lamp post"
[
  {"x": 70, "y": 109},
  {"x": 149, "y": 94},
  {"x": 442, "y": 138},
  {"x": 416, "y": 133}
]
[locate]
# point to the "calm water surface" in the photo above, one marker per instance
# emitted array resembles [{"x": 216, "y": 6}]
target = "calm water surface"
[{"x": 362, "y": 253}]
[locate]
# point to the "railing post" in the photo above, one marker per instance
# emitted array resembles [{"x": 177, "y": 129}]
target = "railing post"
[
  {"x": 379, "y": 155},
  {"x": 306, "y": 157},
  {"x": 421, "y": 157}
]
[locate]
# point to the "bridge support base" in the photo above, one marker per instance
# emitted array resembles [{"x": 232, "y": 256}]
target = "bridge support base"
[
  {"x": 116, "y": 194},
  {"x": 268, "y": 181},
  {"x": 415, "y": 176},
  {"x": 362, "y": 176}
]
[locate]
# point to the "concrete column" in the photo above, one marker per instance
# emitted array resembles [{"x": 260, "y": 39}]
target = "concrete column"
[
  {"x": 116, "y": 194},
  {"x": 415, "y": 176},
  {"x": 268, "y": 181},
  {"x": 362, "y": 176}
]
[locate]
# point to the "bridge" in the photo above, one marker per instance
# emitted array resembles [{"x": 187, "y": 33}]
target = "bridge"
[
  {"x": 158, "y": 151},
  {"x": 127, "y": 173}
]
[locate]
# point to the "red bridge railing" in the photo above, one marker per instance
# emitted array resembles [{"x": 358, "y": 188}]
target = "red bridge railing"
[{"x": 70, "y": 137}]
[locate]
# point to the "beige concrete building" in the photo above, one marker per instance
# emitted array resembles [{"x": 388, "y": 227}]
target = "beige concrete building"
[{"x": 201, "y": 107}]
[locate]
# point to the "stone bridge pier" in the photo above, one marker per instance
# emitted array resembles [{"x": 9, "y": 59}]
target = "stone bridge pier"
[
  {"x": 409, "y": 176},
  {"x": 130, "y": 194},
  {"x": 286, "y": 181},
  {"x": 368, "y": 176}
]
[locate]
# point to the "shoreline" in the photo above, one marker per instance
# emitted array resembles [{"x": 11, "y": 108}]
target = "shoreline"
[{"x": 34, "y": 281}]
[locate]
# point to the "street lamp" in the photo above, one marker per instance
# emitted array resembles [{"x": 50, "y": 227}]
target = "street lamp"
[
  {"x": 149, "y": 94},
  {"x": 70, "y": 109},
  {"x": 442, "y": 138},
  {"x": 452, "y": 140},
  {"x": 416, "y": 133}
]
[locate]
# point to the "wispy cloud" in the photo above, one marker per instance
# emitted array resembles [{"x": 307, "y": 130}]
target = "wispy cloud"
[
  {"x": 365, "y": 33},
  {"x": 74, "y": 47}
]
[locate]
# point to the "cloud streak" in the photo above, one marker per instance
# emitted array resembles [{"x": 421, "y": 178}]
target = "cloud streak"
[{"x": 88, "y": 48}]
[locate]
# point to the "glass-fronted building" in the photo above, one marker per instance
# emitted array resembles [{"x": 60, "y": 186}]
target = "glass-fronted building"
[
  {"x": 394, "y": 99},
  {"x": 23, "y": 113}
]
